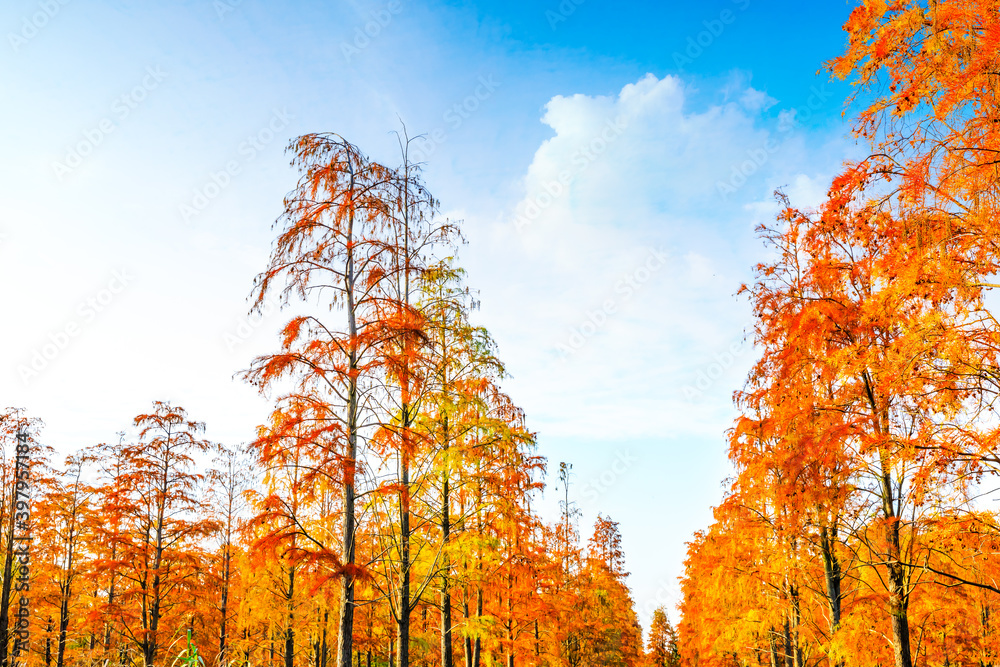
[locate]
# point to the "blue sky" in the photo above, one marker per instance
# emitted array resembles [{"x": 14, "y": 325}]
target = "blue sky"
[{"x": 610, "y": 161}]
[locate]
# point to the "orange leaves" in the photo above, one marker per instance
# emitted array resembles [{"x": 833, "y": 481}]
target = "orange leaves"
[
  {"x": 870, "y": 323},
  {"x": 932, "y": 127},
  {"x": 147, "y": 547}
]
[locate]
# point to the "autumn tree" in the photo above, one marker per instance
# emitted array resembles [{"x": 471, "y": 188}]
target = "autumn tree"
[
  {"x": 613, "y": 635},
  {"x": 229, "y": 482},
  {"x": 662, "y": 648},
  {"x": 332, "y": 251},
  {"x": 157, "y": 544},
  {"x": 63, "y": 527},
  {"x": 108, "y": 528}
]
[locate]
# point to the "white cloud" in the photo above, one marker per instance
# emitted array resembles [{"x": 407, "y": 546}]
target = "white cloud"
[{"x": 622, "y": 259}]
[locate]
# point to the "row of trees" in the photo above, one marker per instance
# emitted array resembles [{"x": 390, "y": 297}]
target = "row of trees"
[
  {"x": 382, "y": 516},
  {"x": 859, "y": 528}
]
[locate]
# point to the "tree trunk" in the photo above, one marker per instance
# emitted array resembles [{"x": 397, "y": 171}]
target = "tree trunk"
[
  {"x": 290, "y": 628},
  {"x": 447, "y": 655},
  {"x": 832, "y": 570},
  {"x": 66, "y": 585},
  {"x": 403, "y": 622},
  {"x": 111, "y": 600},
  {"x": 898, "y": 613},
  {"x": 150, "y": 643},
  {"x": 224, "y": 602},
  {"x": 898, "y": 595},
  {"x": 467, "y": 641},
  {"x": 789, "y": 660},
  {"x": 447, "y": 652},
  {"x": 796, "y": 622},
  {"x": 510, "y": 618},
  {"x": 48, "y": 643},
  {"x": 324, "y": 648},
  {"x": 63, "y": 626},
  {"x": 477, "y": 649},
  {"x": 345, "y": 624}
]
